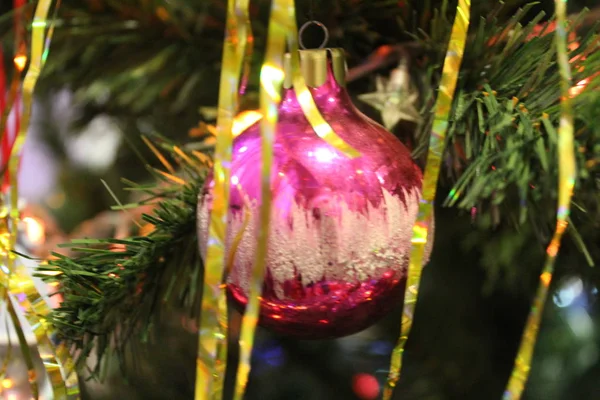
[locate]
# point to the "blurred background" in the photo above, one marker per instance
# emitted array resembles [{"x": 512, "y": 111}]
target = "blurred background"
[{"x": 119, "y": 69}]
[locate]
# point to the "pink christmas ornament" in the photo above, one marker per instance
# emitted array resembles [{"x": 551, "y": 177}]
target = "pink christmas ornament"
[{"x": 341, "y": 229}]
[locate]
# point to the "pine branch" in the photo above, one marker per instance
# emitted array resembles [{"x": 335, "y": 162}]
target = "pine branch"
[
  {"x": 111, "y": 287},
  {"x": 502, "y": 141}
]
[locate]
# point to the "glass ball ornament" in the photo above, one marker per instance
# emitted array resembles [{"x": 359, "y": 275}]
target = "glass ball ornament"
[{"x": 341, "y": 228}]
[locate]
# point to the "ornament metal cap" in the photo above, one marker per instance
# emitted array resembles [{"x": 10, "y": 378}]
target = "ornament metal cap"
[{"x": 314, "y": 65}]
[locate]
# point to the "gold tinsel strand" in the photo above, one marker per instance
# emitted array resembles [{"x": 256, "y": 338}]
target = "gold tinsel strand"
[
  {"x": 422, "y": 226},
  {"x": 566, "y": 181}
]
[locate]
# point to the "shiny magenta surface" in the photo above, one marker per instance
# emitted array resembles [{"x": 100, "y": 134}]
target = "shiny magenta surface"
[
  {"x": 313, "y": 180},
  {"x": 326, "y": 309}
]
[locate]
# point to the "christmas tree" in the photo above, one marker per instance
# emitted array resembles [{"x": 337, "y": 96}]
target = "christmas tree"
[{"x": 125, "y": 116}]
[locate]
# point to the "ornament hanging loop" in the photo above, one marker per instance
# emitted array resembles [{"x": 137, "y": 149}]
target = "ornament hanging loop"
[{"x": 320, "y": 25}]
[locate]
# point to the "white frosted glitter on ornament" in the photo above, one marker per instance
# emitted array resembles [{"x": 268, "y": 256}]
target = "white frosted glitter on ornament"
[{"x": 348, "y": 246}]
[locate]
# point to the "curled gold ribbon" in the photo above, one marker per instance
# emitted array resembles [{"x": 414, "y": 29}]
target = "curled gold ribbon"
[
  {"x": 212, "y": 339},
  {"x": 442, "y": 109},
  {"x": 56, "y": 359},
  {"x": 566, "y": 181},
  {"x": 271, "y": 83},
  {"x": 308, "y": 105}
]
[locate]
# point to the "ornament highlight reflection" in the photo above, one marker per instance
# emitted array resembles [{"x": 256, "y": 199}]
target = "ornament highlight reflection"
[{"x": 323, "y": 155}]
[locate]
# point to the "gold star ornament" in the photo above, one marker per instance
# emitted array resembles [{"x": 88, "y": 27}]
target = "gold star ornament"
[{"x": 395, "y": 97}]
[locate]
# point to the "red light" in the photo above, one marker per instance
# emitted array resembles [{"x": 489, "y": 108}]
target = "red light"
[{"x": 365, "y": 386}]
